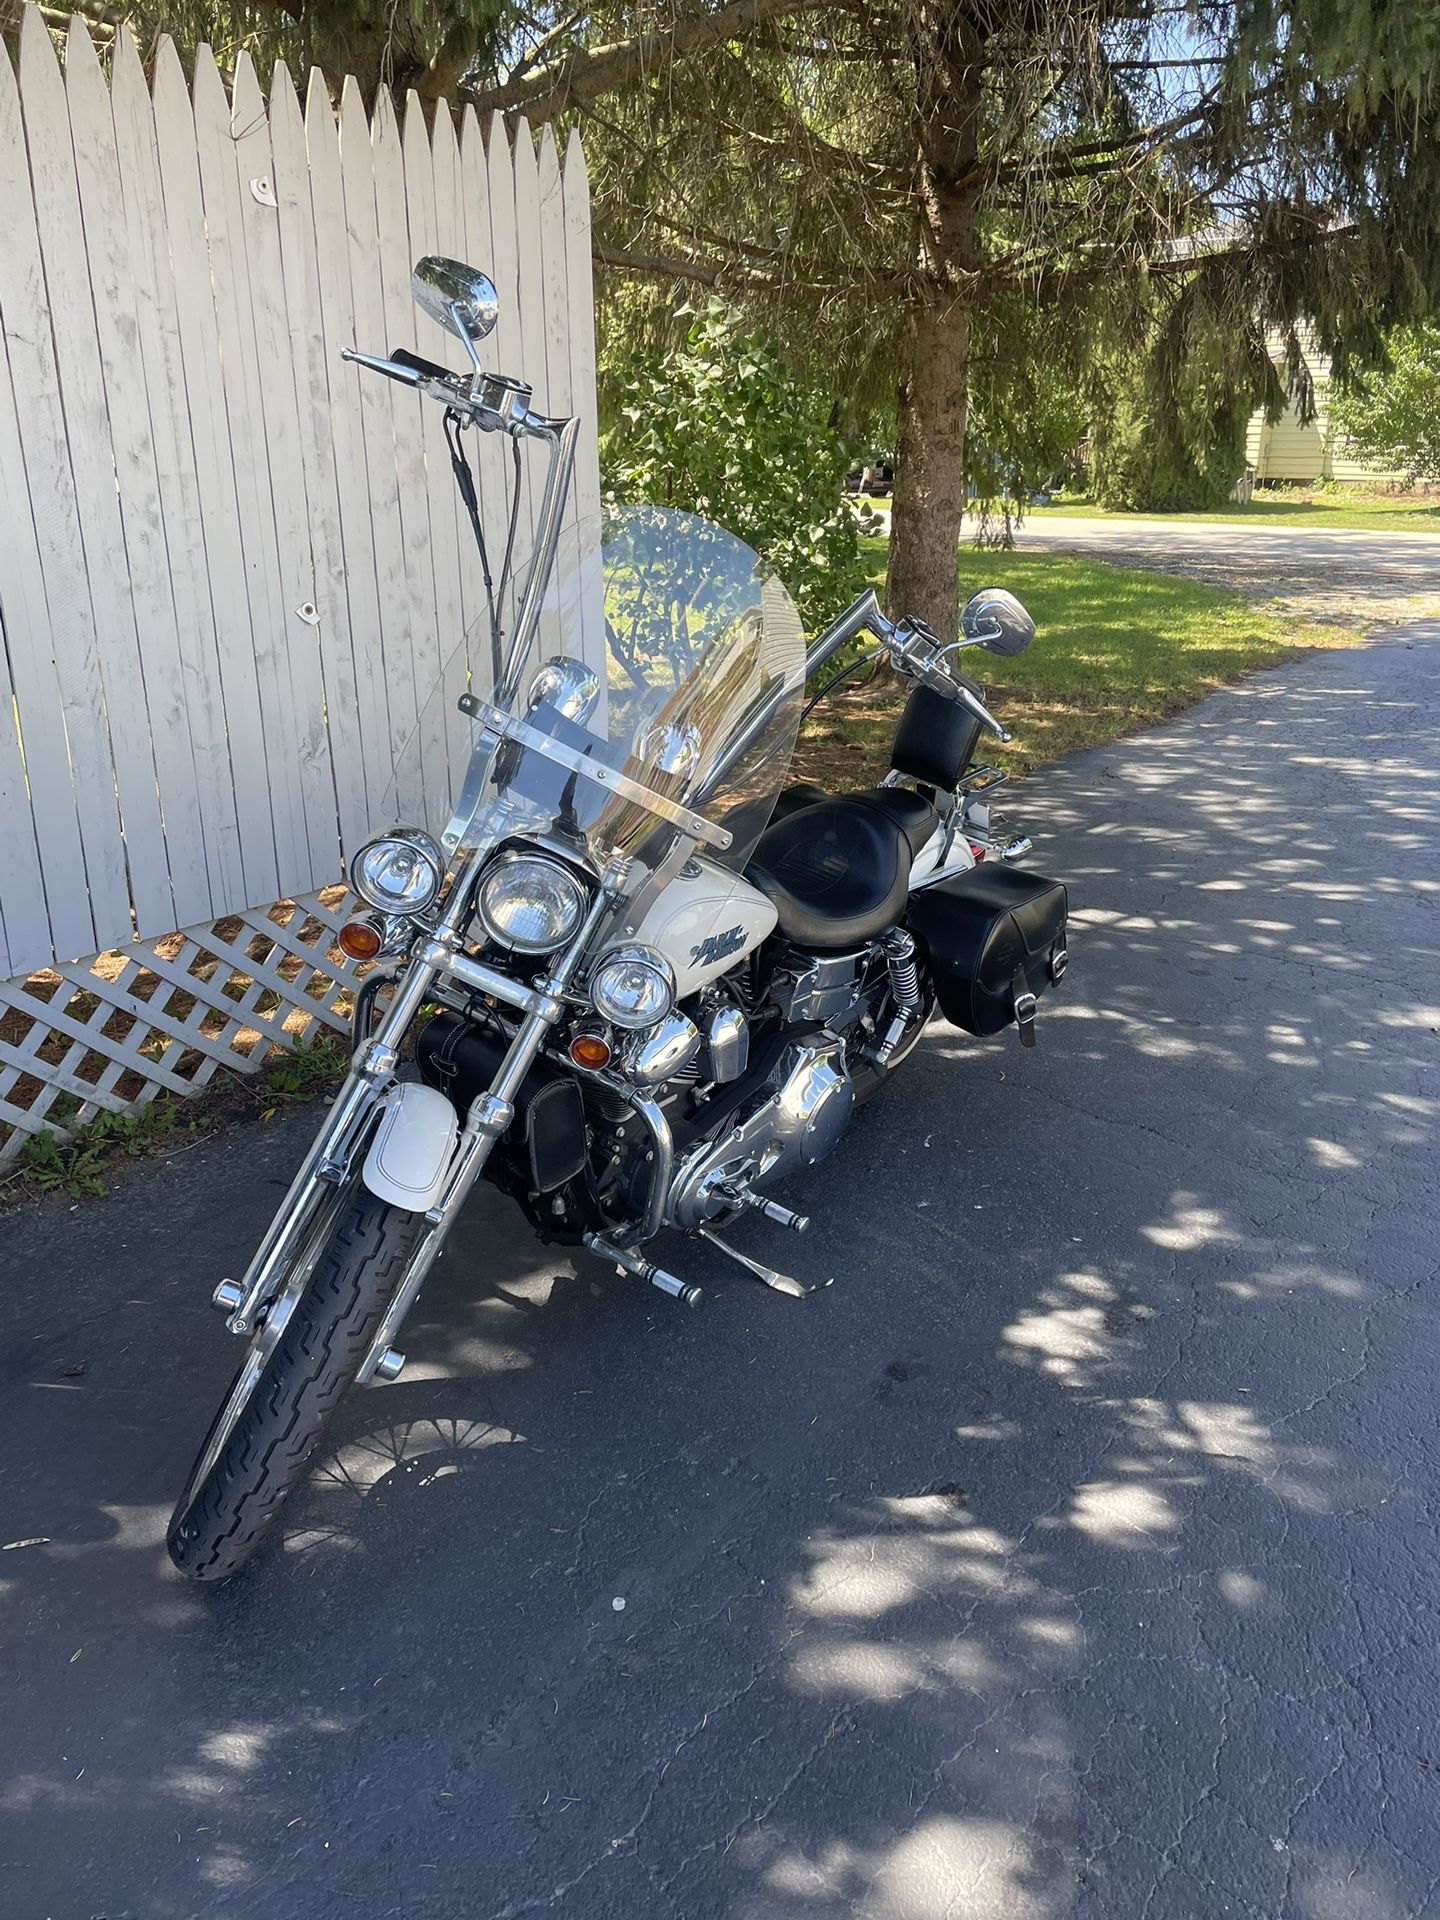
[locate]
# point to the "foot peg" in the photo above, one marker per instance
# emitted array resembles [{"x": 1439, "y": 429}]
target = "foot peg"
[
  {"x": 780, "y": 1282},
  {"x": 628, "y": 1261},
  {"x": 772, "y": 1209}
]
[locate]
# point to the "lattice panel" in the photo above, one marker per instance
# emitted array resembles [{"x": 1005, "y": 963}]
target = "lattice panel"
[{"x": 112, "y": 1032}]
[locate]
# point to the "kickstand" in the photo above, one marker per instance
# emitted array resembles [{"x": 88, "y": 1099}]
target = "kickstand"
[{"x": 780, "y": 1282}]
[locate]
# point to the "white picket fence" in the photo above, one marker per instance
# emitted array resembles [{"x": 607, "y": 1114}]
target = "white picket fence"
[{"x": 230, "y": 563}]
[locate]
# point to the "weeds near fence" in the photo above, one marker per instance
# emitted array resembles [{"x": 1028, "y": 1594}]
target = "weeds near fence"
[{"x": 84, "y": 1163}]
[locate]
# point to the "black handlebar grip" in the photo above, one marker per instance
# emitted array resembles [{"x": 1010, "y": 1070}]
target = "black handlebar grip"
[{"x": 428, "y": 368}]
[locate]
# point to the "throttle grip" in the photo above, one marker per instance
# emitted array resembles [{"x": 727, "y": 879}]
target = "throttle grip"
[{"x": 427, "y": 369}]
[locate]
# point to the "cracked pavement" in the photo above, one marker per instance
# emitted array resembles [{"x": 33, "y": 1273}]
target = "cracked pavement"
[{"x": 1075, "y": 1554}]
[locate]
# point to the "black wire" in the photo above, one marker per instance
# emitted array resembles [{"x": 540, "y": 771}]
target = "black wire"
[
  {"x": 497, "y": 650},
  {"x": 830, "y": 685},
  {"x": 465, "y": 481},
  {"x": 514, "y": 512}
]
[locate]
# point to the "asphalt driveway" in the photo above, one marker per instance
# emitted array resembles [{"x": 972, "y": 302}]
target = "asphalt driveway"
[
  {"x": 1366, "y": 578},
  {"x": 1074, "y": 1554}
]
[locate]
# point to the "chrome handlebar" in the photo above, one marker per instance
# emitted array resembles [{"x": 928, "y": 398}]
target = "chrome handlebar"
[
  {"x": 912, "y": 648},
  {"x": 494, "y": 402},
  {"x": 915, "y": 649}
]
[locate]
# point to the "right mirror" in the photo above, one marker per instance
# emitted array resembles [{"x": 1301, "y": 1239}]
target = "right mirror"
[
  {"x": 459, "y": 298},
  {"x": 995, "y": 620}
]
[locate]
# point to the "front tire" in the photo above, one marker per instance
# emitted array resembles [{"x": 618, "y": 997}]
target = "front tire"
[{"x": 228, "y": 1507}]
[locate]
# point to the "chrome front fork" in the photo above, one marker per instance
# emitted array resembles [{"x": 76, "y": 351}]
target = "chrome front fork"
[{"x": 372, "y": 1072}]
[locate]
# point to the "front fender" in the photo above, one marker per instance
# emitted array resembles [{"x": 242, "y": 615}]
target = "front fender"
[{"x": 413, "y": 1147}]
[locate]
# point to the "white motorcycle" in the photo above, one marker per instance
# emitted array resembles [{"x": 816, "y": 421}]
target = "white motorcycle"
[{"x": 617, "y": 967}]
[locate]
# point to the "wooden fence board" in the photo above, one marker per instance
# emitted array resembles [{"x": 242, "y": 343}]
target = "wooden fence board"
[
  {"x": 413, "y": 415},
  {"x": 309, "y": 355},
  {"x": 376, "y": 398},
  {"x": 162, "y": 364},
  {"x": 231, "y": 566},
  {"x": 218, "y": 555},
  {"x": 119, "y": 684},
  {"x": 116, "y": 333},
  {"x": 245, "y": 408},
  {"x": 54, "y": 651},
  {"x": 296, "y": 639},
  {"x": 342, "y": 403},
  {"x": 488, "y": 458}
]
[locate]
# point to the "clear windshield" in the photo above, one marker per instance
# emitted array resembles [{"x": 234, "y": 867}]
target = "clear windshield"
[{"x": 656, "y": 707}]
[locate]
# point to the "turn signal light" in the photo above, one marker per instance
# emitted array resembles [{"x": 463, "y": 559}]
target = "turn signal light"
[
  {"x": 360, "y": 939},
  {"x": 590, "y": 1050}
]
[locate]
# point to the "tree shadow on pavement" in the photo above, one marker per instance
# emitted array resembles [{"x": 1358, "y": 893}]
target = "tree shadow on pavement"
[{"x": 1074, "y": 1554}]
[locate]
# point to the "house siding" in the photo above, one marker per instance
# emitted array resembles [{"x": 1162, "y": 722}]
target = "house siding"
[{"x": 1286, "y": 450}]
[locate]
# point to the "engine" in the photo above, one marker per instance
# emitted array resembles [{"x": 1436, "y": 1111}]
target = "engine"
[{"x": 796, "y": 1117}]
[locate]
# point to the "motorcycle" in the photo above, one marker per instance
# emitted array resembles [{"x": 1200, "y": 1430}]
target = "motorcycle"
[{"x": 618, "y": 967}]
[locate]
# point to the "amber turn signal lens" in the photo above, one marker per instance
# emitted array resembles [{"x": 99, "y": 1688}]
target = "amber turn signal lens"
[
  {"x": 360, "y": 939},
  {"x": 590, "y": 1050}
]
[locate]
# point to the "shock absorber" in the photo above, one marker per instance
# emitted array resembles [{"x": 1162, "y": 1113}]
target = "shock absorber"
[
  {"x": 904, "y": 990},
  {"x": 904, "y": 974}
]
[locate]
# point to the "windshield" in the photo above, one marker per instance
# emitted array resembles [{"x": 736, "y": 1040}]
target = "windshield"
[{"x": 658, "y": 698}]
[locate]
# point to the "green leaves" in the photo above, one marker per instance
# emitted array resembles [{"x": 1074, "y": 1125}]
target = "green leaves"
[
  {"x": 1391, "y": 417},
  {"x": 722, "y": 426}
]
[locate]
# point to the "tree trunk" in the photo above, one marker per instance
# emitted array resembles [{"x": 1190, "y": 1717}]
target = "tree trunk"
[
  {"x": 929, "y": 498},
  {"x": 948, "y": 41}
]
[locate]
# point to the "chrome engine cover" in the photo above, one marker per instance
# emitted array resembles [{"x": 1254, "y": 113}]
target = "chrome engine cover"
[
  {"x": 822, "y": 986},
  {"x": 807, "y": 1108}
]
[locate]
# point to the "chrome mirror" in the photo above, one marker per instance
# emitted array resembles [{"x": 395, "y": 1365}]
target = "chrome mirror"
[
  {"x": 995, "y": 620},
  {"x": 459, "y": 298}
]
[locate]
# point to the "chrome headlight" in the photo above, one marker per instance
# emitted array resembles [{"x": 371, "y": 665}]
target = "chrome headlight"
[
  {"x": 570, "y": 686},
  {"x": 529, "y": 904},
  {"x": 398, "y": 872},
  {"x": 633, "y": 986}
]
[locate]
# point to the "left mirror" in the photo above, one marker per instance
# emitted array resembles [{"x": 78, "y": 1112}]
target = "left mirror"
[
  {"x": 459, "y": 298},
  {"x": 995, "y": 620}
]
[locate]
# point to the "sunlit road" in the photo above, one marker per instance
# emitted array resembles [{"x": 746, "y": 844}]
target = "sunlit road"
[
  {"x": 1409, "y": 561},
  {"x": 1074, "y": 1555}
]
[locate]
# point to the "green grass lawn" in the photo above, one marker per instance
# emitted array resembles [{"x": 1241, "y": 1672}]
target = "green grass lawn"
[
  {"x": 1116, "y": 649},
  {"x": 1379, "y": 513}
]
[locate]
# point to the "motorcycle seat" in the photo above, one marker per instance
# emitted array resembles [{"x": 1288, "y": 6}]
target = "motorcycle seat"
[
  {"x": 838, "y": 870},
  {"x": 907, "y": 809}
]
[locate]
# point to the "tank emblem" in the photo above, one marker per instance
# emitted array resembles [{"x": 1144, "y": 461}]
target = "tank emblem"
[{"x": 719, "y": 946}]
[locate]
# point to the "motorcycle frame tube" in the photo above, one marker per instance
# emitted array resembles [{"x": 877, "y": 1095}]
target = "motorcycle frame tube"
[{"x": 662, "y": 1152}]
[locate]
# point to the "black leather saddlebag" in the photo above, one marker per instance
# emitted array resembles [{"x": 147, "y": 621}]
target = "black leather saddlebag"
[{"x": 995, "y": 939}]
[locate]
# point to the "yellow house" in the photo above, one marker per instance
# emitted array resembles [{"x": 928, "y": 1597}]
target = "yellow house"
[{"x": 1286, "y": 450}]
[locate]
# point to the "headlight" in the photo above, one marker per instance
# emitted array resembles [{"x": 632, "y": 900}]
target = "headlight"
[
  {"x": 633, "y": 986},
  {"x": 398, "y": 872},
  {"x": 570, "y": 686},
  {"x": 529, "y": 904}
]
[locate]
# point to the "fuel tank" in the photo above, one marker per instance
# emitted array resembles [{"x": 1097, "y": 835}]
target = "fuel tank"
[{"x": 704, "y": 922}]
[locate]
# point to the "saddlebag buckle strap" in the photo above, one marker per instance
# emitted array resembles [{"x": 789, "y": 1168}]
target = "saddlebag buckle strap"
[{"x": 1025, "y": 1005}]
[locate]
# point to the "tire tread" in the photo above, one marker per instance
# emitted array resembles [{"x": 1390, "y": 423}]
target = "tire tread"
[{"x": 314, "y": 1363}]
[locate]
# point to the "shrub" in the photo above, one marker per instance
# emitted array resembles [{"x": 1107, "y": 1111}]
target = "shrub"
[{"x": 721, "y": 426}]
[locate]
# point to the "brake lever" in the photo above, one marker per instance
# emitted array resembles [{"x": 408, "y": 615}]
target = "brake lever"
[
  {"x": 914, "y": 655},
  {"x": 978, "y": 707},
  {"x": 377, "y": 363}
]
